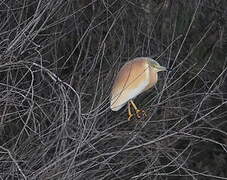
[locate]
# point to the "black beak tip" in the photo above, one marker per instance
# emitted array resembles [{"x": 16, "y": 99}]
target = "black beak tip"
[{"x": 169, "y": 70}]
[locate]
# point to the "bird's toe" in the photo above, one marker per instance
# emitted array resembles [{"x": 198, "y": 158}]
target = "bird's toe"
[{"x": 140, "y": 113}]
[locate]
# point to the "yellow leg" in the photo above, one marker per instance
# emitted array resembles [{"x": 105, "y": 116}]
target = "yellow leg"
[
  {"x": 138, "y": 111},
  {"x": 129, "y": 111}
]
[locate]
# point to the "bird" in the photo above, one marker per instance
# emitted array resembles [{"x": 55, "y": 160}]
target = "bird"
[{"x": 134, "y": 77}]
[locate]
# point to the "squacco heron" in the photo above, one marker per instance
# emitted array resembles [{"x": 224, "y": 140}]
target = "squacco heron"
[{"x": 135, "y": 77}]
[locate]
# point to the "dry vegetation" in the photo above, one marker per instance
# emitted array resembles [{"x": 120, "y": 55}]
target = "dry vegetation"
[{"x": 58, "y": 61}]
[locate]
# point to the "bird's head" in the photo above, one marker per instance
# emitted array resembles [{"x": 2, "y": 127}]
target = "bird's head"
[{"x": 156, "y": 66}]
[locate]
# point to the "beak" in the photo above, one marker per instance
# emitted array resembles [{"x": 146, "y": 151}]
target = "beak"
[{"x": 162, "y": 68}]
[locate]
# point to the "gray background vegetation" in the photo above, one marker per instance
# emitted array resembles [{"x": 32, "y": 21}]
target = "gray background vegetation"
[{"x": 57, "y": 65}]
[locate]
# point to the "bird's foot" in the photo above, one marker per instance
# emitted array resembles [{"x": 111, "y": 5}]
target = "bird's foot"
[
  {"x": 130, "y": 116},
  {"x": 140, "y": 113}
]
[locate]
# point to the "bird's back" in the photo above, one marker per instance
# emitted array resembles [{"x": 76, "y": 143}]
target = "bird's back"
[{"x": 131, "y": 80}]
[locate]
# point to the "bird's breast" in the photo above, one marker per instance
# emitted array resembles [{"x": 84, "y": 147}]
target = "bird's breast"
[{"x": 152, "y": 78}]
